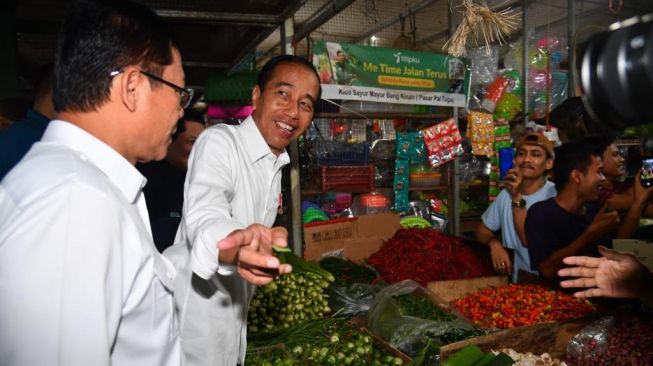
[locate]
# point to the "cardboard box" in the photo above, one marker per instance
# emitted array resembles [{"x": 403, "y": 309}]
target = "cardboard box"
[
  {"x": 355, "y": 239},
  {"x": 642, "y": 249}
]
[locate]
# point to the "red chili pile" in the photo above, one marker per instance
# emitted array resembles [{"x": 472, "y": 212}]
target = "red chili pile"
[
  {"x": 629, "y": 343},
  {"x": 516, "y": 305},
  {"x": 425, "y": 255}
]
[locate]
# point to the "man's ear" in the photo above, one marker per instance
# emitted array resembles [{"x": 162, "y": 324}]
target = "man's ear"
[
  {"x": 130, "y": 81},
  {"x": 575, "y": 176},
  {"x": 256, "y": 95},
  {"x": 548, "y": 165}
]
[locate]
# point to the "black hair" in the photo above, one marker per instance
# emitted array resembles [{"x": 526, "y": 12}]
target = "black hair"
[
  {"x": 598, "y": 143},
  {"x": 571, "y": 156},
  {"x": 190, "y": 115},
  {"x": 268, "y": 70},
  {"x": 101, "y": 36}
]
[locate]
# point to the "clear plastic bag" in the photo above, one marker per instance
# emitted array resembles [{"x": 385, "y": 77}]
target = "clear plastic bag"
[
  {"x": 410, "y": 334},
  {"x": 592, "y": 340},
  {"x": 354, "y": 299},
  {"x": 619, "y": 340}
]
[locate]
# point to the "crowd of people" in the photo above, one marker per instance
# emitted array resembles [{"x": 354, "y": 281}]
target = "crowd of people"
[
  {"x": 564, "y": 207},
  {"x": 85, "y": 215}
]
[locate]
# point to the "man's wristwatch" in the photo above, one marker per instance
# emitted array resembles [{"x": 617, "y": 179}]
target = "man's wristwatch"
[{"x": 519, "y": 204}]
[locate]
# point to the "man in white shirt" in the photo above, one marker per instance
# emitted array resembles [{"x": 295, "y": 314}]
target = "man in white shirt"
[
  {"x": 81, "y": 282},
  {"x": 526, "y": 184},
  {"x": 234, "y": 184}
]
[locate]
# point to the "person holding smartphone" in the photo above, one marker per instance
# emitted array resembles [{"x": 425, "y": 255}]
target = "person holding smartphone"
[
  {"x": 630, "y": 199},
  {"x": 525, "y": 183}
]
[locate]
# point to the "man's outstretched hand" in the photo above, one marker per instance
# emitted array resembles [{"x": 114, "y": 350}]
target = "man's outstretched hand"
[
  {"x": 250, "y": 249},
  {"x": 613, "y": 275}
]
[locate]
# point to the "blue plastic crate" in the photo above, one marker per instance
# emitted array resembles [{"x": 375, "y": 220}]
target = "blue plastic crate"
[{"x": 341, "y": 153}]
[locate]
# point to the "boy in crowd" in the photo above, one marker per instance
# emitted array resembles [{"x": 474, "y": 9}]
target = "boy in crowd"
[{"x": 569, "y": 224}]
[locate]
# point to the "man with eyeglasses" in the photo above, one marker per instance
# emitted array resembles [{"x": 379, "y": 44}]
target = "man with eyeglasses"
[
  {"x": 233, "y": 187},
  {"x": 81, "y": 280}
]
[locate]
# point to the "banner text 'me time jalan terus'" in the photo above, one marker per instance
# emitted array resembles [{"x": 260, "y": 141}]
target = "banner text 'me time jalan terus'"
[{"x": 405, "y": 71}]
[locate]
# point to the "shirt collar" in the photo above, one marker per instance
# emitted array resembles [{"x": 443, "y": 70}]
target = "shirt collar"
[
  {"x": 257, "y": 147},
  {"x": 120, "y": 171}
]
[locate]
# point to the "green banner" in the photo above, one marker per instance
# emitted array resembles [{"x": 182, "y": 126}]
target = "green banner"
[{"x": 356, "y": 72}]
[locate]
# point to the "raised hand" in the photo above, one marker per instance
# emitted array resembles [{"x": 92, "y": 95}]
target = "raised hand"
[
  {"x": 613, "y": 275},
  {"x": 250, "y": 249},
  {"x": 605, "y": 221}
]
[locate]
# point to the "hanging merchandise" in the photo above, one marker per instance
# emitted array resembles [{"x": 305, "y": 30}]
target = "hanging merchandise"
[
  {"x": 510, "y": 103},
  {"x": 480, "y": 129},
  {"x": 443, "y": 142},
  {"x": 400, "y": 185},
  {"x": 494, "y": 93},
  {"x": 484, "y": 65},
  {"x": 481, "y": 20},
  {"x": 547, "y": 84},
  {"x": 410, "y": 146}
]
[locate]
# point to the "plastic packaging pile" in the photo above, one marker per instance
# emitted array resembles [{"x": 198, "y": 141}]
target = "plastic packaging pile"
[{"x": 501, "y": 90}]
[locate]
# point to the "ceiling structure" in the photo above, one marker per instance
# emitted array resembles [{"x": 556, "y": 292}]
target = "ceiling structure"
[
  {"x": 212, "y": 35},
  {"x": 219, "y": 35}
]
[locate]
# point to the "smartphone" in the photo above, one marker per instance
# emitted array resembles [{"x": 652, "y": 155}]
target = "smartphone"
[
  {"x": 506, "y": 158},
  {"x": 647, "y": 172}
]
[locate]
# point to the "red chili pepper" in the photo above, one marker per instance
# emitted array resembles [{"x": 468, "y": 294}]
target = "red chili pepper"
[
  {"x": 425, "y": 255},
  {"x": 516, "y": 305}
]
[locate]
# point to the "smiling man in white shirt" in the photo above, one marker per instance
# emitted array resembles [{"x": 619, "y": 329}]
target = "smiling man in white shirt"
[{"x": 233, "y": 185}]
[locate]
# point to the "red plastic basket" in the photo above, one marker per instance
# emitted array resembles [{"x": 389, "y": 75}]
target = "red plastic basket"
[{"x": 348, "y": 178}]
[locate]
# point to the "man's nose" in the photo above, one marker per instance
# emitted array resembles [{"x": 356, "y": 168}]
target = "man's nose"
[{"x": 292, "y": 110}]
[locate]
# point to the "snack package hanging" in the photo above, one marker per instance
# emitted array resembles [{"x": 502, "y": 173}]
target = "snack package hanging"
[
  {"x": 443, "y": 142},
  {"x": 494, "y": 93},
  {"x": 400, "y": 185},
  {"x": 481, "y": 133},
  {"x": 510, "y": 103},
  {"x": 410, "y": 146}
]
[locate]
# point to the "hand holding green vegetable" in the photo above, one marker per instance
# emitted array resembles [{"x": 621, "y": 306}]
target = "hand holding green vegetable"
[{"x": 250, "y": 249}]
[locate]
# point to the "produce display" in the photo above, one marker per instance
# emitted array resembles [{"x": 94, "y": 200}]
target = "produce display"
[
  {"x": 347, "y": 272},
  {"x": 623, "y": 343},
  {"x": 421, "y": 307},
  {"x": 427, "y": 255},
  {"x": 330, "y": 341},
  {"x": 529, "y": 359},
  {"x": 291, "y": 298},
  {"x": 471, "y": 355},
  {"x": 516, "y": 305}
]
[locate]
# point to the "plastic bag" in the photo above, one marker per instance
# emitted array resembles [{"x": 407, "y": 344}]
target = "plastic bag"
[
  {"x": 592, "y": 340},
  {"x": 410, "y": 334},
  {"x": 484, "y": 65},
  {"x": 623, "y": 339},
  {"x": 354, "y": 299}
]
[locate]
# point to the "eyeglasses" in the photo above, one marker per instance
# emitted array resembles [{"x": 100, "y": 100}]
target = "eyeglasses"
[{"x": 185, "y": 94}]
